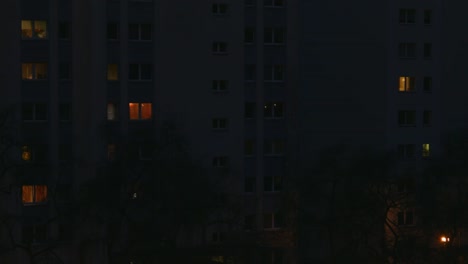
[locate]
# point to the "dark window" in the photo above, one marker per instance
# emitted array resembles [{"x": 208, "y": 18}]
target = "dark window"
[
  {"x": 249, "y": 222},
  {"x": 407, "y": 16},
  {"x": 427, "y": 117},
  {"x": 401, "y": 218},
  {"x": 139, "y": 31},
  {"x": 250, "y": 72},
  {"x": 64, "y": 71},
  {"x": 64, "y": 30},
  {"x": 34, "y": 111},
  {"x": 65, "y": 112},
  {"x": 65, "y": 152},
  {"x": 249, "y": 184},
  {"x": 407, "y": 118},
  {"x": 407, "y": 50},
  {"x": 273, "y": 110},
  {"x": 273, "y": 35},
  {"x": 250, "y": 2},
  {"x": 427, "y": 17},
  {"x": 145, "y": 33},
  {"x": 427, "y": 84},
  {"x": 249, "y": 110},
  {"x": 406, "y": 151},
  {"x": 219, "y": 8},
  {"x": 112, "y": 31},
  {"x": 427, "y": 50},
  {"x": 249, "y": 35},
  {"x": 272, "y": 184},
  {"x": 133, "y": 72},
  {"x": 220, "y": 85},
  {"x": 249, "y": 147},
  {"x": 146, "y": 73},
  {"x": 274, "y": 73}
]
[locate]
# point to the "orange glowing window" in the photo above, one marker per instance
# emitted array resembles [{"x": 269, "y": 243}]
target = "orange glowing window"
[
  {"x": 406, "y": 84},
  {"x": 33, "y": 29},
  {"x": 26, "y": 153},
  {"x": 140, "y": 111},
  {"x": 34, "y": 194},
  {"x": 112, "y": 72}
]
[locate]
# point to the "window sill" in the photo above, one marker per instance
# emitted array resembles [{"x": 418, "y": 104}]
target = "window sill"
[
  {"x": 274, "y": 155},
  {"x": 274, "y": 81},
  {"x": 273, "y": 44},
  {"x": 220, "y": 53},
  {"x": 140, "y": 80},
  {"x": 141, "y": 40}
]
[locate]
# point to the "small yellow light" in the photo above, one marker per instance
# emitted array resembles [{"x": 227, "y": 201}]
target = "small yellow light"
[
  {"x": 26, "y": 153},
  {"x": 444, "y": 239}
]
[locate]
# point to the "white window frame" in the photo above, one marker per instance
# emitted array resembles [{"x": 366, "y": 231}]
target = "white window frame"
[
  {"x": 220, "y": 123},
  {"x": 275, "y": 75},
  {"x": 140, "y": 79}
]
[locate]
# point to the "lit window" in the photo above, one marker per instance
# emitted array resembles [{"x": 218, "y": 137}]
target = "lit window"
[
  {"x": 407, "y": 16},
  {"x": 111, "y": 111},
  {"x": 427, "y": 117},
  {"x": 139, "y": 32},
  {"x": 112, "y": 31},
  {"x": 220, "y": 123},
  {"x": 427, "y": 17},
  {"x": 26, "y": 153},
  {"x": 249, "y": 35},
  {"x": 426, "y": 150},
  {"x": 219, "y": 47},
  {"x": 274, "y": 73},
  {"x": 34, "y": 112},
  {"x": 273, "y": 3},
  {"x": 33, "y": 29},
  {"x": 427, "y": 50},
  {"x": 34, "y": 71},
  {"x": 272, "y": 221},
  {"x": 112, "y": 72},
  {"x": 32, "y": 194},
  {"x": 273, "y": 110},
  {"x": 405, "y": 218},
  {"x": 406, "y": 151},
  {"x": 427, "y": 84},
  {"x": 140, "y": 72},
  {"x": 274, "y": 147},
  {"x": 219, "y": 8},
  {"x": 406, "y": 84},
  {"x": 407, "y": 50},
  {"x": 140, "y": 111},
  {"x": 249, "y": 147},
  {"x": 220, "y": 161},
  {"x": 407, "y": 118},
  {"x": 272, "y": 184},
  {"x": 273, "y": 36},
  {"x": 219, "y": 85}
]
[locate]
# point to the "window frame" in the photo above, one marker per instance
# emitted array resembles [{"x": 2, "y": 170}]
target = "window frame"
[
  {"x": 407, "y": 118},
  {"x": 140, "y": 71},
  {"x": 406, "y": 84},
  {"x": 274, "y": 147},
  {"x": 34, "y": 111},
  {"x": 407, "y": 50},
  {"x": 219, "y": 47},
  {"x": 270, "y": 35},
  {"x": 275, "y": 71},
  {"x": 140, "y": 105},
  {"x": 405, "y": 18},
  {"x": 218, "y": 10},
  {"x": 34, "y": 34},
  {"x": 140, "y": 32},
  {"x": 34, "y": 195},
  {"x": 273, "y": 110},
  {"x": 220, "y": 124},
  {"x": 34, "y": 71}
]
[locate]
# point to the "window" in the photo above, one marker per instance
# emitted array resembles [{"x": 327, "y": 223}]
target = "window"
[
  {"x": 249, "y": 110},
  {"x": 249, "y": 222},
  {"x": 405, "y": 186},
  {"x": 273, "y": 3},
  {"x": 273, "y": 110},
  {"x": 249, "y": 35},
  {"x": 272, "y": 183},
  {"x": 64, "y": 31},
  {"x": 34, "y": 112},
  {"x": 111, "y": 152},
  {"x": 249, "y": 2},
  {"x": 406, "y": 151},
  {"x": 219, "y": 47},
  {"x": 426, "y": 150},
  {"x": 65, "y": 112},
  {"x": 405, "y": 218},
  {"x": 219, "y": 123},
  {"x": 34, "y": 71},
  {"x": 139, "y": 32},
  {"x": 140, "y": 111},
  {"x": 407, "y": 16},
  {"x": 406, "y": 84},
  {"x": 427, "y": 50},
  {"x": 113, "y": 31},
  {"x": 140, "y": 72},
  {"x": 32, "y": 194},
  {"x": 406, "y": 118},
  {"x": 64, "y": 71},
  {"x": 37, "y": 153},
  {"x": 249, "y": 184},
  {"x": 34, "y": 233},
  {"x": 407, "y": 50},
  {"x": 111, "y": 111},
  {"x": 272, "y": 220},
  {"x": 145, "y": 152},
  {"x": 33, "y": 29},
  {"x": 249, "y": 147},
  {"x": 274, "y": 147},
  {"x": 219, "y": 8},
  {"x": 112, "y": 72},
  {"x": 220, "y": 161},
  {"x": 273, "y": 36},
  {"x": 220, "y": 85},
  {"x": 65, "y": 152},
  {"x": 427, "y": 17},
  {"x": 250, "y": 72},
  {"x": 274, "y": 73},
  {"x": 427, "y": 84},
  {"x": 427, "y": 118}
]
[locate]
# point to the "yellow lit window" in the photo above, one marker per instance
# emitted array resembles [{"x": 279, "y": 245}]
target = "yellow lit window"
[
  {"x": 426, "y": 150},
  {"x": 140, "y": 111},
  {"x": 26, "y": 153},
  {"x": 34, "y": 71},
  {"x": 27, "y": 71},
  {"x": 406, "y": 84},
  {"x": 34, "y": 194},
  {"x": 33, "y": 29},
  {"x": 112, "y": 72}
]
